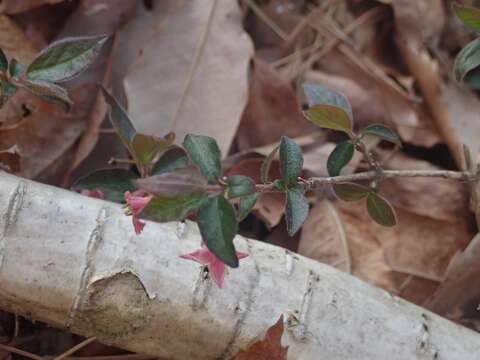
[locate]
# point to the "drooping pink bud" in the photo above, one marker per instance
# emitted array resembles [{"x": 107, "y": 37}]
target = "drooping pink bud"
[
  {"x": 215, "y": 266},
  {"x": 136, "y": 202}
]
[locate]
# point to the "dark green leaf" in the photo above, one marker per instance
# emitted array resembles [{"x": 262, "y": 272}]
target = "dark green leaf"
[
  {"x": 320, "y": 95},
  {"x": 296, "y": 211},
  {"x": 112, "y": 182},
  {"x": 9, "y": 89},
  {"x": 246, "y": 205},
  {"x": 146, "y": 147},
  {"x": 468, "y": 59},
  {"x": 15, "y": 69},
  {"x": 329, "y": 117},
  {"x": 340, "y": 156},
  {"x": 165, "y": 209},
  {"x": 119, "y": 119},
  {"x": 46, "y": 90},
  {"x": 291, "y": 161},
  {"x": 182, "y": 181},
  {"x": 172, "y": 159},
  {"x": 66, "y": 58},
  {"x": 266, "y": 164},
  {"x": 3, "y": 62},
  {"x": 218, "y": 226},
  {"x": 240, "y": 185},
  {"x": 469, "y": 16},
  {"x": 380, "y": 210},
  {"x": 350, "y": 191},
  {"x": 205, "y": 153},
  {"x": 382, "y": 132}
]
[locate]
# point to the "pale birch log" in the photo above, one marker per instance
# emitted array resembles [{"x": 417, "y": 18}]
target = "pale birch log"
[{"x": 75, "y": 263}]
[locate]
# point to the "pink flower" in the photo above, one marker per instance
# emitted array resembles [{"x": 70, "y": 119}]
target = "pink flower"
[
  {"x": 136, "y": 202},
  {"x": 215, "y": 266},
  {"x": 94, "y": 193}
]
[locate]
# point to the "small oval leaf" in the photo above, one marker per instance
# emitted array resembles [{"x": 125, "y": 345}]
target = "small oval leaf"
[
  {"x": 239, "y": 185},
  {"x": 296, "y": 211},
  {"x": 218, "y": 226},
  {"x": 172, "y": 159},
  {"x": 246, "y": 205},
  {"x": 350, "y": 191},
  {"x": 119, "y": 119},
  {"x": 112, "y": 182},
  {"x": 340, "y": 156},
  {"x": 380, "y": 210},
  {"x": 291, "y": 161},
  {"x": 320, "y": 95},
  {"x": 205, "y": 153},
  {"x": 469, "y": 16},
  {"x": 146, "y": 147},
  {"x": 382, "y": 132},
  {"x": 182, "y": 181},
  {"x": 266, "y": 164},
  {"x": 329, "y": 117},
  {"x": 467, "y": 60},
  {"x": 46, "y": 90},
  {"x": 165, "y": 209},
  {"x": 65, "y": 58}
]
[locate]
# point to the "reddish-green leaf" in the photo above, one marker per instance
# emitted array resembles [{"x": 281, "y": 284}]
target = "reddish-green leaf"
[
  {"x": 172, "y": 159},
  {"x": 165, "y": 209},
  {"x": 468, "y": 15},
  {"x": 350, "y": 191},
  {"x": 329, "y": 117},
  {"x": 146, "y": 147}
]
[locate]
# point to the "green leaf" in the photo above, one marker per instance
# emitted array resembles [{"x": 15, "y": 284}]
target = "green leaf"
[
  {"x": 467, "y": 60},
  {"x": 380, "y": 210},
  {"x": 469, "y": 16},
  {"x": 205, "y": 153},
  {"x": 329, "y": 117},
  {"x": 350, "y": 191},
  {"x": 3, "y": 62},
  {"x": 9, "y": 89},
  {"x": 382, "y": 132},
  {"x": 266, "y": 164},
  {"x": 112, "y": 182},
  {"x": 15, "y": 69},
  {"x": 320, "y": 95},
  {"x": 239, "y": 185},
  {"x": 340, "y": 156},
  {"x": 182, "y": 181},
  {"x": 146, "y": 147},
  {"x": 246, "y": 205},
  {"x": 165, "y": 209},
  {"x": 47, "y": 90},
  {"x": 291, "y": 161},
  {"x": 66, "y": 58},
  {"x": 296, "y": 211},
  {"x": 119, "y": 119},
  {"x": 218, "y": 226},
  {"x": 172, "y": 159}
]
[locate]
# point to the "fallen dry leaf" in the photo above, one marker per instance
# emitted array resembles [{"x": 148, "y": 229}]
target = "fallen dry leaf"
[
  {"x": 19, "y": 6},
  {"x": 417, "y": 246},
  {"x": 270, "y": 348},
  {"x": 169, "y": 39},
  {"x": 272, "y": 110},
  {"x": 439, "y": 199},
  {"x": 459, "y": 295}
]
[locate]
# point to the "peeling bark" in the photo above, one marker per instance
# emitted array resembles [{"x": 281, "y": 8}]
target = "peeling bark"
[{"x": 75, "y": 262}]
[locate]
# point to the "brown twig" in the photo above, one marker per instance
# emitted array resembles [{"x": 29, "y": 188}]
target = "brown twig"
[{"x": 75, "y": 348}]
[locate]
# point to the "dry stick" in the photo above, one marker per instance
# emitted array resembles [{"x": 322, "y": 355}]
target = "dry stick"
[
  {"x": 196, "y": 60},
  {"x": 20, "y": 352},
  {"x": 75, "y": 348},
  {"x": 261, "y": 14}
]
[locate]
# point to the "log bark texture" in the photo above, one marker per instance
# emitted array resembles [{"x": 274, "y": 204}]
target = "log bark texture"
[{"x": 75, "y": 263}]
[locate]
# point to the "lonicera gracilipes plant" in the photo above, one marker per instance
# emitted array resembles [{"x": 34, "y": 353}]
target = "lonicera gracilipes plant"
[
  {"x": 59, "y": 62},
  {"x": 172, "y": 182}
]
